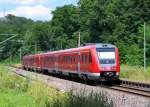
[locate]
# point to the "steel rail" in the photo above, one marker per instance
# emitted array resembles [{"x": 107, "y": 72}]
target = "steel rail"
[
  {"x": 129, "y": 90},
  {"x": 131, "y": 87}
]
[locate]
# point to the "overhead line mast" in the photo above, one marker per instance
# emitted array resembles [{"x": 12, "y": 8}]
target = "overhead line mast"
[
  {"x": 79, "y": 40},
  {"x": 144, "y": 47}
]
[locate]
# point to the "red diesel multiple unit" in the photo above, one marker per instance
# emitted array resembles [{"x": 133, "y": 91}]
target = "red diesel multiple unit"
[{"x": 94, "y": 62}]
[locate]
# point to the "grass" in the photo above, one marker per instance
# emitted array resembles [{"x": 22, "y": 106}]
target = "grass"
[
  {"x": 12, "y": 98},
  {"x": 16, "y": 91},
  {"x": 13, "y": 90},
  {"x": 135, "y": 73}
]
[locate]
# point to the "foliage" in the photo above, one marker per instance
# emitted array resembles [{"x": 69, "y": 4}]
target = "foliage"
[
  {"x": 99, "y": 21},
  {"x": 135, "y": 73},
  {"x": 22, "y": 92},
  {"x": 13, "y": 90},
  {"x": 90, "y": 100}
]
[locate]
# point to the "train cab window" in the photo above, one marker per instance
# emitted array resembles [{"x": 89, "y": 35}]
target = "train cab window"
[{"x": 106, "y": 55}]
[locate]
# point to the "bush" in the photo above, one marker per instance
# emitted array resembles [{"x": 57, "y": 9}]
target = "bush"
[
  {"x": 135, "y": 73},
  {"x": 90, "y": 100},
  {"x": 19, "y": 92}
]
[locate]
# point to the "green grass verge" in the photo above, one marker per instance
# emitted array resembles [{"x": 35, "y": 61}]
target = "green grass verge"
[
  {"x": 12, "y": 98},
  {"x": 16, "y": 91},
  {"x": 135, "y": 73}
]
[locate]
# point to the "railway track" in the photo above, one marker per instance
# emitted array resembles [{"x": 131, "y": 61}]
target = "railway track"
[
  {"x": 131, "y": 87},
  {"x": 131, "y": 90}
]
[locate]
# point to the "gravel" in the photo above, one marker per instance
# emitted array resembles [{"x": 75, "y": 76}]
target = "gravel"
[{"x": 120, "y": 99}]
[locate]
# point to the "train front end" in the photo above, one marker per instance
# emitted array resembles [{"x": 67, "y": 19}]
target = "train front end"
[{"x": 108, "y": 59}]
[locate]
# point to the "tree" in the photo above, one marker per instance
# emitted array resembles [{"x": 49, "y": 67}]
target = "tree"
[
  {"x": 40, "y": 35},
  {"x": 67, "y": 19}
]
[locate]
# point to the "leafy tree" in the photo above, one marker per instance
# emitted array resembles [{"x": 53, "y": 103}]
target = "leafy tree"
[
  {"x": 39, "y": 35},
  {"x": 67, "y": 19},
  {"x": 99, "y": 21}
]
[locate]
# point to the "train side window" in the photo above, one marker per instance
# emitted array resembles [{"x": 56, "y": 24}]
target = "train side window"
[
  {"x": 82, "y": 58},
  {"x": 69, "y": 58},
  {"x": 90, "y": 58},
  {"x": 49, "y": 59},
  {"x": 59, "y": 59},
  {"x": 85, "y": 58},
  {"x": 53, "y": 58},
  {"x": 62, "y": 58},
  {"x": 65, "y": 59},
  {"x": 74, "y": 58},
  {"x": 79, "y": 58}
]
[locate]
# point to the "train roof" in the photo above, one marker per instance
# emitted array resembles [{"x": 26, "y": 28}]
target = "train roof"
[{"x": 83, "y": 46}]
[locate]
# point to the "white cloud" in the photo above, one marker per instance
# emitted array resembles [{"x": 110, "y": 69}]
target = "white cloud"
[
  {"x": 38, "y": 12},
  {"x": 25, "y": 2}
]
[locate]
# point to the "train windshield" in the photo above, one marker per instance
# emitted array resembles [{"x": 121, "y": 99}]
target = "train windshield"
[{"x": 106, "y": 55}]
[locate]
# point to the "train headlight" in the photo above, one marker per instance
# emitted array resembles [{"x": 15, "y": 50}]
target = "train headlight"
[{"x": 117, "y": 73}]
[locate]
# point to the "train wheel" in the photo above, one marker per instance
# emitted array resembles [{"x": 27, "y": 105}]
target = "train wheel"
[{"x": 84, "y": 78}]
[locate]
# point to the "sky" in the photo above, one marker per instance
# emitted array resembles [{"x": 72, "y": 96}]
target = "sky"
[{"x": 33, "y": 9}]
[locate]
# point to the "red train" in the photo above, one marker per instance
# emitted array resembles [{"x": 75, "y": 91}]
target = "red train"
[{"x": 94, "y": 62}]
